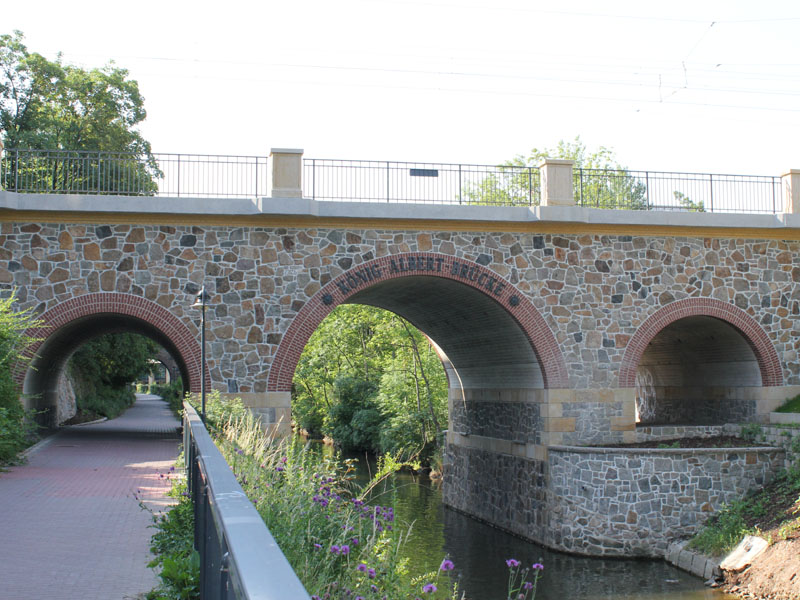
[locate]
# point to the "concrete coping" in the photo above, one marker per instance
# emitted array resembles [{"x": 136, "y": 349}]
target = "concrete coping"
[{"x": 607, "y": 450}]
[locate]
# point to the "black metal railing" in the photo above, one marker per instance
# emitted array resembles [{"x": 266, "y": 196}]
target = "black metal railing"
[
  {"x": 239, "y": 558},
  {"x": 116, "y": 173},
  {"x": 224, "y": 176},
  {"x": 696, "y": 192},
  {"x": 422, "y": 183}
]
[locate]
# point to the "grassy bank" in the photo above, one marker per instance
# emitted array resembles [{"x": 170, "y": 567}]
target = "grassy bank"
[{"x": 772, "y": 512}]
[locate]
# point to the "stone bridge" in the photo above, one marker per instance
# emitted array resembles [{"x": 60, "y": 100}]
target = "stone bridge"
[{"x": 558, "y": 325}]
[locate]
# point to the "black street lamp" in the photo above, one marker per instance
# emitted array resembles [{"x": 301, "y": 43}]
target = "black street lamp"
[{"x": 201, "y": 303}]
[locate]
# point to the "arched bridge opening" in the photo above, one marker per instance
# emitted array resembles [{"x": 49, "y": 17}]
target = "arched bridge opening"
[
  {"x": 68, "y": 325},
  {"x": 699, "y": 362},
  {"x": 501, "y": 358}
]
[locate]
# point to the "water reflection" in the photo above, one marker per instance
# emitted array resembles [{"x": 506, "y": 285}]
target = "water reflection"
[{"x": 479, "y": 552}]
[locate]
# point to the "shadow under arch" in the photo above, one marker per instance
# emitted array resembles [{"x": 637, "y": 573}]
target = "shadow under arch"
[
  {"x": 488, "y": 330},
  {"x": 769, "y": 363},
  {"x": 69, "y": 324}
]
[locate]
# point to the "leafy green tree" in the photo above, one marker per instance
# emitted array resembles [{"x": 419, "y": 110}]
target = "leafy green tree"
[
  {"x": 15, "y": 428},
  {"x": 49, "y": 105},
  {"x": 600, "y": 180},
  {"x": 370, "y": 370},
  {"x": 105, "y": 367}
]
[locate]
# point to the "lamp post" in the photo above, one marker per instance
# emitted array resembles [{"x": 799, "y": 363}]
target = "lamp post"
[{"x": 200, "y": 303}]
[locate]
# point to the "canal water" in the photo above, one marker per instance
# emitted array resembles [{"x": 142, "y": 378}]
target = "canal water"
[{"x": 479, "y": 553}]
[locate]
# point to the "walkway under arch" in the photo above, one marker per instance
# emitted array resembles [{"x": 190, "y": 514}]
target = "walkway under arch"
[{"x": 71, "y": 323}]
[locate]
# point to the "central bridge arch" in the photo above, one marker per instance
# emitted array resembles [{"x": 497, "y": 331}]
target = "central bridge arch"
[{"x": 490, "y": 333}]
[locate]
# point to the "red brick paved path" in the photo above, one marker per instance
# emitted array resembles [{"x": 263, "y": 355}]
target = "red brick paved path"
[{"x": 70, "y": 527}]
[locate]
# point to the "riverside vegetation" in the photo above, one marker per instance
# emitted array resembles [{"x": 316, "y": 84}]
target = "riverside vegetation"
[
  {"x": 17, "y": 427},
  {"x": 339, "y": 544}
]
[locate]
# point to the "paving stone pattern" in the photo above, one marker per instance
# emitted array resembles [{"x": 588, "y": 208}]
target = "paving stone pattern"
[{"x": 70, "y": 524}]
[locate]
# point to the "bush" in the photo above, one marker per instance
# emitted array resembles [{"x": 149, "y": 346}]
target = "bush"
[
  {"x": 355, "y": 420},
  {"x": 172, "y": 393},
  {"x": 107, "y": 402}
]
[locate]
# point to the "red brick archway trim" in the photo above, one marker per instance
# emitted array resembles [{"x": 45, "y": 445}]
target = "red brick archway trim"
[
  {"x": 365, "y": 275},
  {"x": 122, "y": 304},
  {"x": 754, "y": 334}
]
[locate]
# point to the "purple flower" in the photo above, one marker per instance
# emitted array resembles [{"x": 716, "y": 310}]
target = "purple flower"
[
  {"x": 362, "y": 567},
  {"x": 371, "y": 573},
  {"x": 447, "y": 565},
  {"x": 537, "y": 566},
  {"x": 512, "y": 563},
  {"x": 279, "y": 468},
  {"x": 335, "y": 549},
  {"x": 428, "y": 588},
  {"x": 345, "y": 549},
  {"x": 527, "y": 586},
  {"x": 354, "y": 541},
  {"x": 317, "y": 546}
]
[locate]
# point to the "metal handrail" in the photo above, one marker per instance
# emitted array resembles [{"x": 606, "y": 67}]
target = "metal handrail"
[
  {"x": 239, "y": 558},
  {"x": 219, "y": 176}
]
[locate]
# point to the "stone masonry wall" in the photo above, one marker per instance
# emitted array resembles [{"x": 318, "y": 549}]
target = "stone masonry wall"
[
  {"x": 592, "y": 290},
  {"x": 506, "y": 491},
  {"x": 634, "y": 502}
]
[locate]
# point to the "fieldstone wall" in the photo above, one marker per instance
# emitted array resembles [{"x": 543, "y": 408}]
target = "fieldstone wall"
[
  {"x": 592, "y": 290},
  {"x": 701, "y": 405},
  {"x": 506, "y": 491},
  {"x": 477, "y": 412},
  {"x": 786, "y": 437},
  {"x": 634, "y": 501}
]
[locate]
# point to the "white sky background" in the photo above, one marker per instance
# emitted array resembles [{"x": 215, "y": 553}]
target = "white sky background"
[{"x": 472, "y": 81}]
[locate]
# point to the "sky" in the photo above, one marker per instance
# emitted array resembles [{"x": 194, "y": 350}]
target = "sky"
[{"x": 689, "y": 86}]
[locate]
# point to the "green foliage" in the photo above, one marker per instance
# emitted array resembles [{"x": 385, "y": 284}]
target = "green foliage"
[
  {"x": 371, "y": 381},
  {"x": 606, "y": 183},
  {"x": 751, "y": 432},
  {"x": 723, "y": 532},
  {"x": 104, "y": 368},
  {"x": 792, "y": 405},
  {"x": 171, "y": 393},
  {"x": 354, "y": 419},
  {"x": 51, "y": 105},
  {"x": 726, "y": 529},
  {"x": 176, "y": 560},
  {"x": 17, "y": 430},
  {"x": 339, "y": 546},
  {"x": 688, "y": 203}
]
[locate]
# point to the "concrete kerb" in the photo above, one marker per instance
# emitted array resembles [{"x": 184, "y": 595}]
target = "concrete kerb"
[{"x": 693, "y": 562}]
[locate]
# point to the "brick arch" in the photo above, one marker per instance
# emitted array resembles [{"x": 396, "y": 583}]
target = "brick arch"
[
  {"x": 128, "y": 305},
  {"x": 753, "y": 333},
  {"x": 337, "y": 291}
]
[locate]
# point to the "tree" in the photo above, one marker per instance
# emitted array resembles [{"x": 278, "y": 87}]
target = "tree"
[
  {"x": 104, "y": 368},
  {"x": 369, "y": 379},
  {"x": 600, "y": 180},
  {"x": 51, "y": 106},
  {"x": 16, "y": 429}
]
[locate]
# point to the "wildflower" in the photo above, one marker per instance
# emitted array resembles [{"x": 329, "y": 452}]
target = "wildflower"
[
  {"x": 371, "y": 573},
  {"x": 318, "y": 546},
  {"x": 428, "y": 588},
  {"x": 527, "y": 586},
  {"x": 512, "y": 563},
  {"x": 279, "y": 468},
  {"x": 354, "y": 541},
  {"x": 362, "y": 567},
  {"x": 335, "y": 549},
  {"x": 537, "y": 566},
  {"x": 284, "y": 459},
  {"x": 447, "y": 565},
  {"x": 345, "y": 549}
]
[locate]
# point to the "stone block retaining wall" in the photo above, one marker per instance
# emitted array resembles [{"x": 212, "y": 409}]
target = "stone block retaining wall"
[
  {"x": 635, "y": 501},
  {"x": 787, "y": 438}
]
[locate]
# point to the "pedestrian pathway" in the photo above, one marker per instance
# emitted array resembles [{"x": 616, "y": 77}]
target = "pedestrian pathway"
[{"x": 70, "y": 526}]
